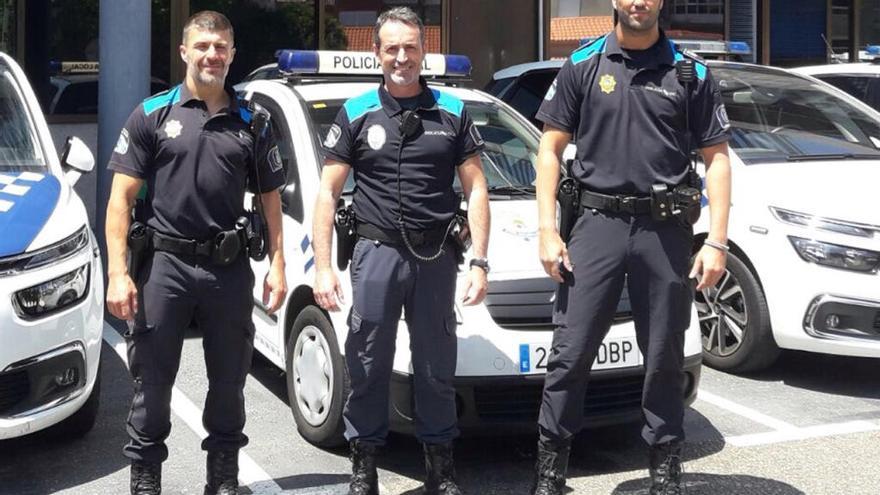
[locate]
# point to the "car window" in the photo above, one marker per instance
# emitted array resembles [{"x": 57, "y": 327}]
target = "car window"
[
  {"x": 777, "y": 116},
  {"x": 529, "y": 92},
  {"x": 511, "y": 147},
  {"x": 293, "y": 203},
  {"x": 19, "y": 148},
  {"x": 863, "y": 87}
]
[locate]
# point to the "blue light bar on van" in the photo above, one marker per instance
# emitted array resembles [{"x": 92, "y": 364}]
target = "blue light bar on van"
[
  {"x": 364, "y": 63},
  {"x": 873, "y": 50},
  {"x": 708, "y": 47}
]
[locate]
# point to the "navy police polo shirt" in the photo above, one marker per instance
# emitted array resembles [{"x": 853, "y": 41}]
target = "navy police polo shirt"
[
  {"x": 196, "y": 165},
  {"x": 366, "y": 135},
  {"x": 626, "y": 111}
]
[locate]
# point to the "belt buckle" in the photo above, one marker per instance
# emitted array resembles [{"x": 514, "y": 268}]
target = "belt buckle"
[{"x": 626, "y": 204}]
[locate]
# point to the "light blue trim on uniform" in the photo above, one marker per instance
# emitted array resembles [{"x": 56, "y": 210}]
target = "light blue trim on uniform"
[
  {"x": 29, "y": 212},
  {"x": 163, "y": 99},
  {"x": 587, "y": 51},
  {"x": 358, "y": 106},
  {"x": 448, "y": 102},
  {"x": 699, "y": 67},
  {"x": 244, "y": 112}
]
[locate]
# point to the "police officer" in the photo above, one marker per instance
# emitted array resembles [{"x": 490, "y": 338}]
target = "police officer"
[
  {"x": 404, "y": 141},
  {"x": 633, "y": 119},
  {"x": 193, "y": 148}
]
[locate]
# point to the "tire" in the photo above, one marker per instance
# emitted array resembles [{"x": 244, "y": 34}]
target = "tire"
[
  {"x": 316, "y": 396},
  {"x": 82, "y": 421},
  {"x": 735, "y": 322}
]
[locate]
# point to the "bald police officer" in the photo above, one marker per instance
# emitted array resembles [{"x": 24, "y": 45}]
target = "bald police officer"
[
  {"x": 193, "y": 148},
  {"x": 405, "y": 142},
  {"x": 633, "y": 120}
]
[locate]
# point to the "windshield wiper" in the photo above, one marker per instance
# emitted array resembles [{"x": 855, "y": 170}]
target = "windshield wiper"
[
  {"x": 804, "y": 157},
  {"x": 512, "y": 189}
]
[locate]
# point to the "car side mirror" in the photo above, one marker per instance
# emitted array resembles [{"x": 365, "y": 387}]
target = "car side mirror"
[{"x": 77, "y": 156}]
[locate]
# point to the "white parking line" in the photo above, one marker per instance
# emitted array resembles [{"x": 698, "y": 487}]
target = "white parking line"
[
  {"x": 802, "y": 433},
  {"x": 249, "y": 473},
  {"x": 744, "y": 411}
]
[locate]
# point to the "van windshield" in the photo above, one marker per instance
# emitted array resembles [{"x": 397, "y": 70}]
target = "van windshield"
[{"x": 19, "y": 149}]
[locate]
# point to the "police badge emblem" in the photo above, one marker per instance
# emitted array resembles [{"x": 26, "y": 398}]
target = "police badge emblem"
[
  {"x": 607, "y": 83},
  {"x": 173, "y": 128}
]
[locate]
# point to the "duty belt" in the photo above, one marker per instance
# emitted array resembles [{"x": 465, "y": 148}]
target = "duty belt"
[
  {"x": 177, "y": 245},
  {"x": 417, "y": 238},
  {"x": 616, "y": 203}
]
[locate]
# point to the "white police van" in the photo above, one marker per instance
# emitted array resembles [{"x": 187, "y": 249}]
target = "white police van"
[
  {"x": 503, "y": 343},
  {"x": 51, "y": 281}
]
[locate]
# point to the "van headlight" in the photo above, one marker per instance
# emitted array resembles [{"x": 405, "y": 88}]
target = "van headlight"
[
  {"x": 54, "y": 295},
  {"x": 835, "y": 255}
]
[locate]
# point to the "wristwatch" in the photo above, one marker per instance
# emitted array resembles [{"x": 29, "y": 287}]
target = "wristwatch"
[{"x": 480, "y": 262}]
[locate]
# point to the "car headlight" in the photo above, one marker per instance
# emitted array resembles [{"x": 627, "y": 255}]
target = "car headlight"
[
  {"x": 836, "y": 256},
  {"x": 54, "y": 295},
  {"x": 826, "y": 224},
  {"x": 55, "y": 253}
]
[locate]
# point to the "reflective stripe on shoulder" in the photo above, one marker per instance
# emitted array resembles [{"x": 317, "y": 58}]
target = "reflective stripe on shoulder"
[
  {"x": 359, "y": 106},
  {"x": 587, "y": 51},
  {"x": 699, "y": 66},
  {"x": 448, "y": 102},
  {"x": 163, "y": 99}
]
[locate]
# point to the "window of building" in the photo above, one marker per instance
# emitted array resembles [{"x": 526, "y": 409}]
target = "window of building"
[{"x": 7, "y": 27}]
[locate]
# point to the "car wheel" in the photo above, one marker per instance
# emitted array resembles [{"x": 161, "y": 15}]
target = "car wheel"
[
  {"x": 82, "y": 421},
  {"x": 317, "y": 379},
  {"x": 735, "y": 322}
]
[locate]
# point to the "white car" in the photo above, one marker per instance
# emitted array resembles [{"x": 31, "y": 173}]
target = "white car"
[
  {"x": 502, "y": 344},
  {"x": 51, "y": 279},
  {"x": 804, "y": 228},
  {"x": 861, "y": 79}
]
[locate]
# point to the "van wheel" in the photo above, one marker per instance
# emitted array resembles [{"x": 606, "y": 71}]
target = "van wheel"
[
  {"x": 317, "y": 379},
  {"x": 82, "y": 421},
  {"x": 735, "y": 322}
]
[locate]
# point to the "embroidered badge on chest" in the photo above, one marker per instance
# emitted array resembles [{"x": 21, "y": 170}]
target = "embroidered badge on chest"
[
  {"x": 607, "y": 83},
  {"x": 173, "y": 128},
  {"x": 376, "y": 137}
]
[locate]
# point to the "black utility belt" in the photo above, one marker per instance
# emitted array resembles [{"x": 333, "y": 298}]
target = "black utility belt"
[
  {"x": 417, "y": 238},
  {"x": 223, "y": 249},
  {"x": 616, "y": 203}
]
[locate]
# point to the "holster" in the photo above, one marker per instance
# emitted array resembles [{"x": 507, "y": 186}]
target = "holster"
[
  {"x": 253, "y": 230},
  {"x": 460, "y": 235},
  {"x": 138, "y": 243},
  {"x": 346, "y": 235},
  {"x": 568, "y": 196}
]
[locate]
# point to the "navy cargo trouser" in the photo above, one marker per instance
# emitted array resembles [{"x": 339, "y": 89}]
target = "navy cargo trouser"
[
  {"x": 384, "y": 279},
  {"x": 654, "y": 257},
  {"x": 173, "y": 291}
]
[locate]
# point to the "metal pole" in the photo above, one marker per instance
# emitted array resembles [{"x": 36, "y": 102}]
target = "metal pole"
[{"x": 124, "y": 82}]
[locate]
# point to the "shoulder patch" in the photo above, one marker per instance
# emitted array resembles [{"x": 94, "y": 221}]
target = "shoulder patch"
[
  {"x": 361, "y": 105},
  {"x": 587, "y": 51},
  {"x": 448, "y": 102},
  {"x": 699, "y": 64},
  {"x": 163, "y": 99}
]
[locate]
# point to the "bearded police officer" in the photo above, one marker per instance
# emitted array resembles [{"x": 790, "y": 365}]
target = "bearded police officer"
[
  {"x": 405, "y": 142},
  {"x": 633, "y": 116},
  {"x": 194, "y": 149}
]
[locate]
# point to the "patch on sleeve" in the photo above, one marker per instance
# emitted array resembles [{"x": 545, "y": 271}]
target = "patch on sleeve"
[
  {"x": 274, "y": 159},
  {"x": 122, "y": 143},
  {"x": 721, "y": 115},
  {"x": 475, "y": 135},
  {"x": 333, "y": 136},
  {"x": 552, "y": 91}
]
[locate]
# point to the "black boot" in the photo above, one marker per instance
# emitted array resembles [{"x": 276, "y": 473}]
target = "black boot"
[
  {"x": 146, "y": 478},
  {"x": 364, "y": 478},
  {"x": 550, "y": 467},
  {"x": 222, "y": 472},
  {"x": 441, "y": 470},
  {"x": 665, "y": 469}
]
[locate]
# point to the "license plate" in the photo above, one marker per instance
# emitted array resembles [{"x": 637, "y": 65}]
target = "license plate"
[{"x": 613, "y": 353}]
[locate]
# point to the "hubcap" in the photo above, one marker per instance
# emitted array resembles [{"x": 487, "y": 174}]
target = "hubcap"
[
  {"x": 723, "y": 316},
  {"x": 312, "y": 375}
]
